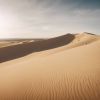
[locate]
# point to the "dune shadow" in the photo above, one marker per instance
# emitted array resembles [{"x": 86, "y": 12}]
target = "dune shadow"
[{"x": 20, "y": 50}]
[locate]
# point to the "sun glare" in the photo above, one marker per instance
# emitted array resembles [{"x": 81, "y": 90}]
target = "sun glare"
[{"x": 6, "y": 23}]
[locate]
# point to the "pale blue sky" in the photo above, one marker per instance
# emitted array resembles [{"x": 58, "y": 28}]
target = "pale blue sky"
[{"x": 48, "y": 18}]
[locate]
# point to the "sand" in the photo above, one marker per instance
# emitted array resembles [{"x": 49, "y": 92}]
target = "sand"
[{"x": 60, "y": 68}]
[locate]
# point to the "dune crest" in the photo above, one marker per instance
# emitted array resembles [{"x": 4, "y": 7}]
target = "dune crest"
[{"x": 80, "y": 39}]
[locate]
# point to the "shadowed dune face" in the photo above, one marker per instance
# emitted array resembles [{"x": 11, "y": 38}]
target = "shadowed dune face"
[{"x": 20, "y": 50}]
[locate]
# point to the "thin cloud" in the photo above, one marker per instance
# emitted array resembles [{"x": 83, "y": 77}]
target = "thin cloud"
[{"x": 53, "y": 17}]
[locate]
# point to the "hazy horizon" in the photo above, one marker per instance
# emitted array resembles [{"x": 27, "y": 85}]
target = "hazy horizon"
[{"x": 48, "y": 18}]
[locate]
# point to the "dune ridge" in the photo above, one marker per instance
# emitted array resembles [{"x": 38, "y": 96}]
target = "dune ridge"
[{"x": 80, "y": 39}]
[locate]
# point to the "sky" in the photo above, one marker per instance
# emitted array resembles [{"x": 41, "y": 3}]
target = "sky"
[{"x": 48, "y": 18}]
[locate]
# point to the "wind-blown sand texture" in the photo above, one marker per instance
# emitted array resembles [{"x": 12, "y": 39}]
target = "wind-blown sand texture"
[{"x": 60, "y": 68}]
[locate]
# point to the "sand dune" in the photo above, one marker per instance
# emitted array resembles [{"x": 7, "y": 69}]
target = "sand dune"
[
  {"x": 12, "y": 42},
  {"x": 20, "y": 50},
  {"x": 61, "y": 68}
]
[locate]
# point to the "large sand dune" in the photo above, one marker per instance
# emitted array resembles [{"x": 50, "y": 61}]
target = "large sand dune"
[{"x": 61, "y": 68}]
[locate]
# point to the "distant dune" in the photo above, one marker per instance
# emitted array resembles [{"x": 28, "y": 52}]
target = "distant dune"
[{"x": 61, "y": 68}]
